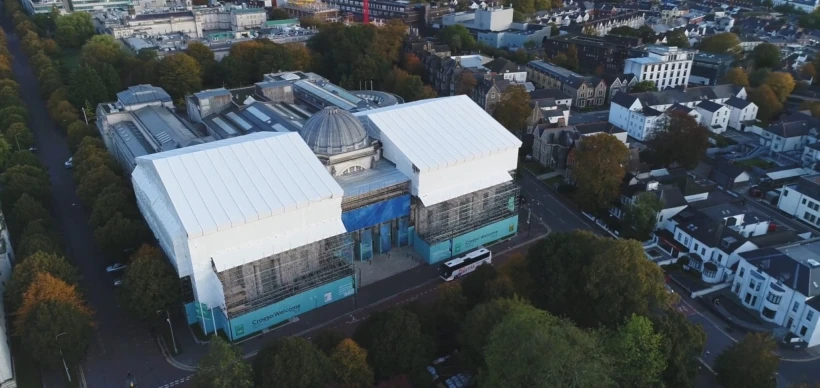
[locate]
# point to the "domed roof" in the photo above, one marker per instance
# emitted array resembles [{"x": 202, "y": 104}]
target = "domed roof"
[{"x": 333, "y": 131}]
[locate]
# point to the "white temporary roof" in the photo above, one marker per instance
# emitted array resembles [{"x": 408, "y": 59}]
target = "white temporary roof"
[
  {"x": 786, "y": 174},
  {"x": 224, "y": 184},
  {"x": 442, "y": 132}
]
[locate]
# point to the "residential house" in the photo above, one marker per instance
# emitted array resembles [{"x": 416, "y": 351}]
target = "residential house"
[
  {"x": 586, "y": 91},
  {"x": 811, "y": 155},
  {"x": 618, "y": 83},
  {"x": 662, "y": 184},
  {"x": 742, "y": 113},
  {"x": 790, "y": 133},
  {"x": 641, "y": 113},
  {"x": 608, "y": 52},
  {"x": 782, "y": 283},
  {"x": 602, "y": 26},
  {"x": 713, "y": 115},
  {"x": 727, "y": 174},
  {"x": 552, "y": 146},
  {"x": 802, "y": 200}
]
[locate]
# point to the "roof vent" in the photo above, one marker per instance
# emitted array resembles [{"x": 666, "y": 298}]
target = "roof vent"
[
  {"x": 726, "y": 242},
  {"x": 813, "y": 263}
]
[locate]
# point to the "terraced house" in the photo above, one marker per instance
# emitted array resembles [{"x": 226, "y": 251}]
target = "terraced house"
[{"x": 585, "y": 91}]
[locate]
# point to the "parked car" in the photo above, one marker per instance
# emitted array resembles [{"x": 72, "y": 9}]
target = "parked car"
[
  {"x": 115, "y": 267},
  {"x": 32, "y": 149},
  {"x": 69, "y": 163},
  {"x": 117, "y": 282},
  {"x": 792, "y": 341}
]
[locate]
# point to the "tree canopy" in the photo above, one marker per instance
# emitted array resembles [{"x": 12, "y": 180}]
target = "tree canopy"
[
  {"x": 641, "y": 217},
  {"x": 782, "y": 84},
  {"x": 291, "y": 362},
  {"x": 766, "y": 55},
  {"x": 457, "y": 37},
  {"x": 223, "y": 367},
  {"x": 644, "y": 86},
  {"x": 637, "y": 352},
  {"x": 73, "y": 29},
  {"x": 86, "y": 86},
  {"x": 683, "y": 342},
  {"x": 515, "y": 354},
  {"x": 677, "y": 38},
  {"x": 477, "y": 326},
  {"x": 750, "y": 363},
  {"x": 736, "y": 76},
  {"x": 25, "y": 273},
  {"x": 395, "y": 344},
  {"x": 680, "y": 140},
  {"x": 725, "y": 42},
  {"x": 611, "y": 278},
  {"x": 768, "y": 104},
  {"x": 349, "y": 365},
  {"x": 149, "y": 284},
  {"x": 179, "y": 75},
  {"x": 598, "y": 171},
  {"x": 513, "y": 109}
]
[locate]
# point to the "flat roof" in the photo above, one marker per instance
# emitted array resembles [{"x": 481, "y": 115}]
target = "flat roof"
[
  {"x": 383, "y": 174},
  {"x": 224, "y": 184}
]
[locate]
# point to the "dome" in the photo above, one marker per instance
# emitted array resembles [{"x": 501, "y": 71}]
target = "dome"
[{"x": 333, "y": 131}]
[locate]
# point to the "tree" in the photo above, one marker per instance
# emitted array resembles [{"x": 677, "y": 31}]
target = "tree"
[
  {"x": 624, "y": 31},
  {"x": 644, "y": 86},
  {"x": 349, "y": 365},
  {"x": 808, "y": 71},
  {"x": 457, "y": 37},
  {"x": 395, "y": 344},
  {"x": 51, "y": 307},
  {"x": 179, "y": 74},
  {"x": 19, "y": 136},
  {"x": 26, "y": 271},
  {"x": 223, "y": 367},
  {"x": 483, "y": 285},
  {"x": 515, "y": 354},
  {"x": 679, "y": 139},
  {"x": 73, "y": 29},
  {"x": 204, "y": 56},
  {"x": 21, "y": 158},
  {"x": 8, "y": 121},
  {"x": 641, "y": 217},
  {"x": 149, "y": 284},
  {"x": 25, "y": 211},
  {"x": 572, "y": 58},
  {"x": 598, "y": 170},
  {"x": 782, "y": 84},
  {"x": 327, "y": 340},
  {"x": 110, "y": 203},
  {"x": 20, "y": 180},
  {"x": 767, "y": 102},
  {"x": 750, "y": 363},
  {"x": 683, "y": 342},
  {"x": 677, "y": 38},
  {"x": 442, "y": 322},
  {"x": 611, "y": 278},
  {"x": 86, "y": 86},
  {"x": 409, "y": 87},
  {"x": 466, "y": 84},
  {"x": 5, "y": 153},
  {"x": 278, "y": 14},
  {"x": 37, "y": 237},
  {"x": 120, "y": 234},
  {"x": 513, "y": 109},
  {"x": 77, "y": 131},
  {"x": 291, "y": 362},
  {"x": 92, "y": 183},
  {"x": 766, "y": 55},
  {"x": 477, "y": 326},
  {"x": 637, "y": 352},
  {"x": 758, "y": 76},
  {"x": 720, "y": 43},
  {"x": 113, "y": 84},
  {"x": 412, "y": 64},
  {"x": 736, "y": 76},
  {"x": 102, "y": 50}
]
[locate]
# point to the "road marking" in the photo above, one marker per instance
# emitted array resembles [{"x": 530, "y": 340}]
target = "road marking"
[
  {"x": 707, "y": 366},
  {"x": 697, "y": 312},
  {"x": 177, "y": 382}
]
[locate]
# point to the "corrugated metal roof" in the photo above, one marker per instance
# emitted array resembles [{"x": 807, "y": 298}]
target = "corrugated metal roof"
[{"x": 221, "y": 185}]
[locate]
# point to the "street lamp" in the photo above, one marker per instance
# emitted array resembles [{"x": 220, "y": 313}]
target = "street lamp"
[
  {"x": 61, "y": 356},
  {"x": 171, "y": 328}
]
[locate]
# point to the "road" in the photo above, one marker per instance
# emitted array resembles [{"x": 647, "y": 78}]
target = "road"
[
  {"x": 550, "y": 208},
  {"x": 120, "y": 345}
]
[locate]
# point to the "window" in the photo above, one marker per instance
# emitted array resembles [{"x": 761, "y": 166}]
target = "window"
[
  {"x": 768, "y": 313},
  {"x": 804, "y": 201},
  {"x": 785, "y": 193},
  {"x": 737, "y": 288},
  {"x": 703, "y": 251},
  {"x": 697, "y": 247},
  {"x": 796, "y": 306},
  {"x": 803, "y": 330},
  {"x": 775, "y": 299},
  {"x": 742, "y": 271},
  {"x": 752, "y": 284},
  {"x": 810, "y": 315}
]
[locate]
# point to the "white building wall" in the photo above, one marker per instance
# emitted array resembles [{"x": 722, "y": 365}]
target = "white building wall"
[
  {"x": 806, "y": 208},
  {"x": 737, "y": 116}
]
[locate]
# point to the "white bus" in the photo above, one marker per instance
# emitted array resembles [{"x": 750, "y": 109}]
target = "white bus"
[{"x": 463, "y": 265}]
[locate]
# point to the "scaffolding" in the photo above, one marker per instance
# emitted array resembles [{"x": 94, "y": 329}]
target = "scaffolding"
[
  {"x": 469, "y": 212},
  {"x": 259, "y": 284}
]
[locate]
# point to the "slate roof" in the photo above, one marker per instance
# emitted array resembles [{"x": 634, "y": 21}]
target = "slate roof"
[
  {"x": 624, "y": 99},
  {"x": 677, "y": 95},
  {"x": 709, "y": 106},
  {"x": 794, "y": 125},
  {"x": 503, "y": 65},
  {"x": 738, "y": 102},
  {"x": 600, "y": 127},
  {"x": 557, "y": 94},
  {"x": 789, "y": 264}
]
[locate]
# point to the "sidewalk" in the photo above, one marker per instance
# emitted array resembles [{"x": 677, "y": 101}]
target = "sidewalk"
[{"x": 372, "y": 296}]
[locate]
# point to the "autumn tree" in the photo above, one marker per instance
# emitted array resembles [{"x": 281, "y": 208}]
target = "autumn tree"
[
  {"x": 149, "y": 284},
  {"x": 395, "y": 344},
  {"x": 682, "y": 343},
  {"x": 513, "y": 109},
  {"x": 50, "y": 307},
  {"x": 102, "y": 50},
  {"x": 466, "y": 84},
  {"x": 641, "y": 217},
  {"x": 327, "y": 340},
  {"x": 349, "y": 365},
  {"x": 782, "y": 84},
  {"x": 808, "y": 71},
  {"x": 736, "y": 76},
  {"x": 515, "y": 354},
  {"x": 412, "y": 64},
  {"x": 768, "y": 105},
  {"x": 611, "y": 278},
  {"x": 678, "y": 139},
  {"x": 725, "y": 42},
  {"x": 598, "y": 170},
  {"x": 644, "y": 86},
  {"x": 179, "y": 75},
  {"x": 27, "y": 270},
  {"x": 19, "y": 136},
  {"x": 204, "y": 56},
  {"x": 407, "y": 86},
  {"x": 223, "y": 367},
  {"x": 291, "y": 362},
  {"x": 637, "y": 352},
  {"x": 485, "y": 284},
  {"x": 750, "y": 363},
  {"x": 766, "y": 55},
  {"x": 77, "y": 131}
]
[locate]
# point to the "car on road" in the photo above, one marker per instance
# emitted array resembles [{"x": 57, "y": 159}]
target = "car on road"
[
  {"x": 32, "y": 149},
  {"x": 115, "y": 267},
  {"x": 69, "y": 163},
  {"x": 117, "y": 282},
  {"x": 791, "y": 341}
]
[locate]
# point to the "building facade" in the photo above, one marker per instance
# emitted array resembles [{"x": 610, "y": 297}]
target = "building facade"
[
  {"x": 594, "y": 52},
  {"x": 667, "y": 67},
  {"x": 586, "y": 91},
  {"x": 802, "y": 200}
]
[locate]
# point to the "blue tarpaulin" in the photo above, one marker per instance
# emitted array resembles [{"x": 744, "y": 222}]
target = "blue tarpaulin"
[{"x": 376, "y": 213}]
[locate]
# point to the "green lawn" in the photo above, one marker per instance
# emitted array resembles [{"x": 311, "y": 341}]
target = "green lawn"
[
  {"x": 27, "y": 375},
  {"x": 536, "y": 168},
  {"x": 756, "y": 162}
]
